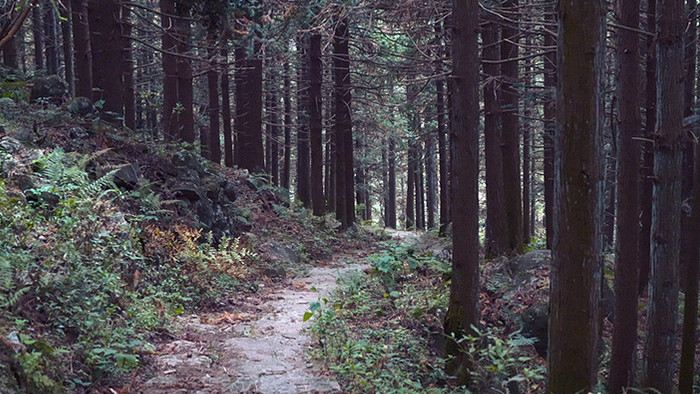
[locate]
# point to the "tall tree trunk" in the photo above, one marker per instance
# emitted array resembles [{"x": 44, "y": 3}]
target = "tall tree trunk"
[
  {"x": 273, "y": 134},
  {"x": 430, "y": 180},
  {"x": 665, "y": 223},
  {"x": 303, "y": 150},
  {"x": 391, "y": 192},
  {"x": 463, "y": 311},
  {"x": 345, "y": 189},
  {"x": 83, "y": 53},
  {"x": 66, "y": 17},
  {"x": 169, "y": 64},
  {"x": 574, "y": 322},
  {"x": 226, "y": 108},
  {"x": 420, "y": 190},
  {"x": 647, "y": 172},
  {"x": 214, "y": 138},
  {"x": 316, "y": 124},
  {"x": 442, "y": 137},
  {"x": 38, "y": 39},
  {"x": 549, "y": 111},
  {"x": 411, "y": 188},
  {"x": 50, "y": 41},
  {"x": 626, "y": 268},
  {"x": 287, "y": 101},
  {"x": 510, "y": 130},
  {"x": 107, "y": 54},
  {"x": 496, "y": 224},
  {"x": 128, "y": 69},
  {"x": 185, "y": 93},
  {"x": 610, "y": 184},
  {"x": 690, "y": 308}
]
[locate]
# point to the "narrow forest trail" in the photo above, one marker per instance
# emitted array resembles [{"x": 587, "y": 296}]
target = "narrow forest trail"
[{"x": 261, "y": 349}]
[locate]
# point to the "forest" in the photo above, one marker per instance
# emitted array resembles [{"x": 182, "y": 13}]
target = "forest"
[{"x": 495, "y": 196}]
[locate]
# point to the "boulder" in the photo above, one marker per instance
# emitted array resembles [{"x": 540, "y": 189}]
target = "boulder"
[
  {"x": 81, "y": 106},
  {"x": 52, "y": 89},
  {"x": 9, "y": 144},
  {"x": 279, "y": 253},
  {"x": 8, "y": 106},
  {"x": 128, "y": 177}
]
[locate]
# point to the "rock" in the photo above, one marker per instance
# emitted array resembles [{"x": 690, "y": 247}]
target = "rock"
[
  {"x": 79, "y": 133},
  {"x": 280, "y": 253},
  {"x": 9, "y": 164},
  {"x": 187, "y": 190},
  {"x": 128, "y": 177},
  {"x": 51, "y": 88},
  {"x": 188, "y": 160},
  {"x": 8, "y": 106},
  {"x": 275, "y": 272},
  {"x": 205, "y": 213},
  {"x": 81, "y": 106},
  {"x": 535, "y": 321},
  {"x": 9, "y": 144},
  {"x": 28, "y": 183}
]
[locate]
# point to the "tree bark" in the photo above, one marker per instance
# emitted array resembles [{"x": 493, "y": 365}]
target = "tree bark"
[
  {"x": 287, "y": 101},
  {"x": 185, "y": 93},
  {"x": 169, "y": 64},
  {"x": 442, "y": 137},
  {"x": 316, "y": 125},
  {"x": 496, "y": 224},
  {"x": 303, "y": 122},
  {"x": 626, "y": 266},
  {"x": 226, "y": 108},
  {"x": 107, "y": 55},
  {"x": 550, "y": 82},
  {"x": 38, "y": 40},
  {"x": 574, "y": 322},
  {"x": 81, "y": 45},
  {"x": 463, "y": 311},
  {"x": 410, "y": 188},
  {"x": 345, "y": 189},
  {"x": 666, "y": 204},
  {"x": 67, "y": 38},
  {"x": 249, "y": 147},
  {"x": 430, "y": 180},
  {"x": 50, "y": 39},
  {"x": 214, "y": 137},
  {"x": 391, "y": 192},
  {"x": 128, "y": 69},
  {"x": 510, "y": 131},
  {"x": 647, "y": 173}
]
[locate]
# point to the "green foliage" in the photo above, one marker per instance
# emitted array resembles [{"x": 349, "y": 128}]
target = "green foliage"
[
  {"x": 499, "y": 361},
  {"x": 94, "y": 282}
]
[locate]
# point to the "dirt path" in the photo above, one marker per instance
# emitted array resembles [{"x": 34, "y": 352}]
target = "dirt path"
[{"x": 263, "y": 351}]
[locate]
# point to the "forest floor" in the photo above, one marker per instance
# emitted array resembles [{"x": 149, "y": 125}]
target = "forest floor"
[{"x": 259, "y": 345}]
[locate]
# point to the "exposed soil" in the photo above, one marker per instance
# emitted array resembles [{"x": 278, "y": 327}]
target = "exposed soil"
[{"x": 257, "y": 347}]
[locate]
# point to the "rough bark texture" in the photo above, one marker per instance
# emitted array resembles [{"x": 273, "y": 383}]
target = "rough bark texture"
[
  {"x": 496, "y": 224},
  {"x": 410, "y": 189},
  {"x": 185, "y": 94},
  {"x": 50, "y": 41},
  {"x": 81, "y": 45},
  {"x": 128, "y": 68},
  {"x": 316, "y": 125},
  {"x": 248, "y": 125},
  {"x": 550, "y": 82},
  {"x": 665, "y": 222},
  {"x": 226, "y": 109},
  {"x": 430, "y": 186},
  {"x": 626, "y": 266},
  {"x": 391, "y": 192},
  {"x": 287, "y": 101},
  {"x": 510, "y": 131},
  {"x": 107, "y": 53},
  {"x": 345, "y": 188},
  {"x": 463, "y": 308},
  {"x": 647, "y": 173},
  {"x": 576, "y": 256},
  {"x": 67, "y": 38},
  {"x": 214, "y": 137},
  {"x": 442, "y": 137},
  {"x": 38, "y": 40},
  {"x": 169, "y": 64},
  {"x": 690, "y": 309},
  {"x": 303, "y": 191}
]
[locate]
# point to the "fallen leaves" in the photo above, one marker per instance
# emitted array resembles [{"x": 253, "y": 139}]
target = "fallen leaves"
[{"x": 226, "y": 317}]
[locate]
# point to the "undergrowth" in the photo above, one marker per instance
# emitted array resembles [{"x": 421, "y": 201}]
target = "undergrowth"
[
  {"x": 81, "y": 283},
  {"x": 382, "y": 332}
]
